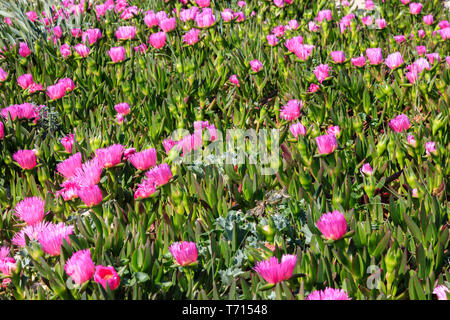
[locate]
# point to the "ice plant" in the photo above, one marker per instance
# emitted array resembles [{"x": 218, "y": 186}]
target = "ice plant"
[
  {"x": 143, "y": 160},
  {"x": 51, "y": 237},
  {"x": 256, "y": 65},
  {"x": 3, "y": 75},
  {"x": 25, "y": 80},
  {"x": 110, "y": 156},
  {"x": 24, "y": 51},
  {"x": 334, "y": 130},
  {"x": 157, "y": 40},
  {"x": 68, "y": 142},
  {"x": 31, "y": 232},
  {"x": 31, "y": 210},
  {"x": 159, "y": 175},
  {"x": 2, "y": 130},
  {"x": 322, "y": 72},
  {"x": 117, "y": 54},
  {"x": 328, "y": 294},
  {"x": 291, "y": 110},
  {"x": 168, "y": 24},
  {"x": 106, "y": 276},
  {"x": 415, "y": 8},
  {"x": 332, "y": 225},
  {"x": 26, "y": 159},
  {"x": 125, "y": 33},
  {"x": 394, "y": 60},
  {"x": 80, "y": 266},
  {"x": 56, "y": 91},
  {"x": 234, "y": 80},
  {"x": 326, "y": 144},
  {"x": 338, "y": 56},
  {"x": 205, "y": 19},
  {"x": 430, "y": 148},
  {"x": 400, "y": 123},
  {"x": 441, "y": 292},
  {"x": 89, "y": 174},
  {"x": 374, "y": 55},
  {"x": 366, "y": 169},
  {"x": 7, "y": 265},
  {"x": 297, "y": 129},
  {"x": 274, "y": 271},
  {"x": 122, "y": 108},
  {"x": 185, "y": 253},
  {"x": 191, "y": 37},
  {"x": 359, "y": 61},
  {"x": 65, "y": 50},
  {"x": 91, "y": 196},
  {"x": 82, "y": 50},
  {"x": 144, "y": 190}
]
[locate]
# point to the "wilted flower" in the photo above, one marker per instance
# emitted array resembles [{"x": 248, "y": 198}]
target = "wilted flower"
[
  {"x": 291, "y": 111},
  {"x": 143, "y": 160},
  {"x": 400, "y": 123},
  {"x": 31, "y": 210},
  {"x": 273, "y": 271},
  {"x": 106, "y": 276},
  {"x": 328, "y": 294},
  {"x": 51, "y": 237},
  {"x": 185, "y": 253},
  {"x": 326, "y": 144},
  {"x": 80, "y": 266},
  {"x": 91, "y": 196},
  {"x": 157, "y": 40},
  {"x": 25, "y": 158},
  {"x": 332, "y": 225}
]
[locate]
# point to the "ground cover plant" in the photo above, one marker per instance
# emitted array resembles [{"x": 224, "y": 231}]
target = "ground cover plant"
[{"x": 286, "y": 149}]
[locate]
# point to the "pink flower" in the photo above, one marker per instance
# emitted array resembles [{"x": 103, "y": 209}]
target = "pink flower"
[
  {"x": 441, "y": 292},
  {"x": 125, "y": 33},
  {"x": 89, "y": 174},
  {"x": 430, "y": 147},
  {"x": 80, "y": 266},
  {"x": 374, "y": 55},
  {"x": 381, "y": 23},
  {"x": 366, "y": 169},
  {"x": 433, "y": 57},
  {"x": 400, "y": 38},
  {"x": 143, "y": 160},
  {"x": 297, "y": 129},
  {"x": 419, "y": 65},
  {"x": 411, "y": 140},
  {"x": 272, "y": 40},
  {"x": 322, "y": 72},
  {"x": 129, "y": 13},
  {"x": 240, "y": 16},
  {"x": 144, "y": 189},
  {"x": 24, "y": 51},
  {"x": 328, "y": 294},
  {"x": 234, "y": 80},
  {"x": 25, "y": 80},
  {"x": 31, "y": 15},
  {"x": 294, "y": 43},
  {"x": 31, "y": 210},
  {"x": 415, "y": 8},
  {"x": 313, "y": 27},
  {"x": 334, "y": 130},
  {"x": 111, "y": 156},
  {"x": 65, "y": 50},
  {"x": 56, "y": 91},
  {"x": 279, "y": 31},
  {"x": 91, "y": 35},
  {"x": 106, "y": 276},
  {"x": 122, "y": 108},
  {"x": 191, "y": 37},
  {"x": 338, "y": 56},
  {"x": 313, "y": 88},
  {"x": 57, "y": 31},
  {"x": 326, "y": 144},
  {"x": 241, "y": 4},
  {"x": 67, "y": 84},
  {"x": 168, "y": 25},
  {"x": 189, "y": 14},
  {"x": 7, "y": 265},
  {"x": 91, "y": 196},
  {"x": 25, "y": 158},
  {"x": 394, "y": 60},
  {"x": 82, "y": 50},
  {"x": 70, "y": 189},
  {"x": 293, "y": 24},
  {"x": 203, "y": 3},
  {"x": 8, "y": 21},
  {"x": 332, "y": 225},
  {"x": 445, "y": 33},
  {"x": 2, "y": 130},
  {"x": 205, "y": 19},
  {"x": 421, "y": 50},
  {"x": 428, "y": 19},
  {"x": 227, "y": 15},
  {"x": 324, "y": 15},
  {"x": 67, "y": 142},
  {"x": 369, "y": 5},
  {"x": 367, "y": 20},
  {"x": 142, "y": 48},
  {"x": 34, "y": 87},
  {"x": 159, "y": 175},
  {"x": 405, "y": 1},
  {"x": 256, "y": 65},
  {"x": 359, "y": 61},
  {"x": 291, "y": 111},
  {"x": 76, "y": 32},
  {"x": 117, "y": 54},
  {"x": 69, "y": 166},
  {"x": 168, "y": 144},
  {"x": 120, "y": 119},
  {"x": 400, "y": 123},
  {"x": 185, "y": 253},
  {"x": 157, "y": 40},
  {"x": 447, "y": 59},
  {"x": 3, "y": 75},
  {"x": 31, "y": 231},
  {"x": 273, "y": 271},
  {"x": 51, "y": 237},
  {"x": 128, "y": 152},
  {"x": 150, "y": 19}
]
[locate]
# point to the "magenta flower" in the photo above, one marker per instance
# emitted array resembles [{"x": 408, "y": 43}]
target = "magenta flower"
[
  {"x": 359, "y": 61},
  {"x": 328, "y": 294},
  {"x": 2, "y": 130},
  {"x": 91, "y": 196},
  {"x": 313, "y": 88},
  {"x": 65, "y": 50},
  {"x": 411, "y": 140},
  {"x": 144, "y": 190},
  {"x": 394, "y": 60},
  {"x": 125, "y": 33},
  {"x": 428, "y": 19},
  {"x": 256, "y": 65},
  {"x": 3, "y": 75},
  {"x": 415, "y": 7},
  {"x": 168, "y": 24},
  {"x": 143, "y": 160},
  {"x": 293, "y": 24},
  {"x": 399, "y": 38},
  {"x": 313, "y": 27},
  {"x": 67, "y": 84},
  {"x": 76, "y": 32},
  {"x": 332, "y": 225},
  {"x": 185, "y": 253},
  {"x": 107, "y": 276},
  {"x": 25, "y": 80},
  {"x": 326, "y": 144},
  {"x": 159, "y": 175},
  {"x": 421, "y": 50},
  {"x": 432, "y": 57},
  {"x": 89, "y": 174},
  {"x": 110, "y": 156},
  {"x": 51, "y": 237},
  {"x": 279, "y": 3},
  {"x": 69, "y": 191},
  {"x": 69, "y": 166},
  {"x": 367, "y": 20},
  {"x": 80, "y": 266},
  {"x": 297, "y": 129},
  {"x": 294, "y": 43},
  {"x": 400, "y": 123},
  {"x": 334, "y": 130},
  {"x": 25, "y": 158},
  {"x": 68, "y": 142},
  {"x": 91, "y": 35},
  {"x": 430, "y": 147},
  {"x": 31, "y": 231},
  {"x": 234, "y": 80},
  {"x": 157, "y": 40},
  {"x": 441, "y": 292},
  {"x": 324, "y": 15},
  {"x": 203, "y": 3},
  {"x": 322, "y": 72},
  {"x": 369, "y": 5},
  {"x": 273, "y": 271},
  {"x": 31, "y": 15},
  {"x": 338, "y": 56},
  {"x": 374, "y": 55},
  {"x": 122, "y": 108},
  {"x": 150, "y": 19},
  {"x": 7, "y": 265},
  {"x": 56, "y": 91},
  {"x": 128, "y": 152},
  {"x": 191, "y": 37},
  {"x": 381, "y": 23},
  {"x": 205, "y": 19},
  {"x": 117, "y": 54},
  {"x": 366, "y": 169},
  {"x": 291, "y": 111},
  {"x": 24, "y": 51},
  {"x": 31, "y": 210},
  {"x": 82, "y": 50},
  {"x": 142, "y": 48},
  {"x": 272, "y": 40}
]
